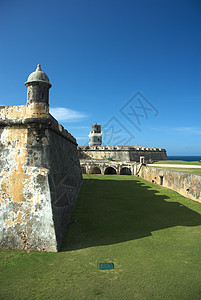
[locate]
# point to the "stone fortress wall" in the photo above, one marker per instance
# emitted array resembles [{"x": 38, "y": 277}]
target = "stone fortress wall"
[
  {"x": 132, "y": 160},
  {"x": 40, "y": 174},
  {"x": 122, "y": 153},
  {"x": 188, "y": 185}
]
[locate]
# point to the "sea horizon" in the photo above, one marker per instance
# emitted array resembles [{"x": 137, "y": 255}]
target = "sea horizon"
[{"x": 185, "y": 157}]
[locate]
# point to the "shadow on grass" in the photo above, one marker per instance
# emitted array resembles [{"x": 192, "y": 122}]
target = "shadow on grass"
[{"x": 111, "y": 211}]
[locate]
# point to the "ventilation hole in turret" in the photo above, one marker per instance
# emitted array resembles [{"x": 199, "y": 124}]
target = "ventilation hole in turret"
[{"x": 161, "y": 180}]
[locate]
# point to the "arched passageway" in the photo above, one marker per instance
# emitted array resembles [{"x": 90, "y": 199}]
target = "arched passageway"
[
  {"x": 125, "y": 171},
  {"x": 83, "y": 169},
  {"x": 95, "y": 170},
  {"x": 110, "y": 170}
]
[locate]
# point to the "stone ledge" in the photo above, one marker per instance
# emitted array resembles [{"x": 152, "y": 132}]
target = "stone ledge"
[
  {"x": 47, "y": 122},
  {"x": 117, "y": 148}
]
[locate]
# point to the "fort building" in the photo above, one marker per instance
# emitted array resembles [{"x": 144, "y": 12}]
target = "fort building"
[
  {"x": 40, "y": 174},
  {"x": 122, "y": 153},
  {"x": 134, "y": 160}
]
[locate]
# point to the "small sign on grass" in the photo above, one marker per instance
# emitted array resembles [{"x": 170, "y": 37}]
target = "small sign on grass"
[{"x": 106, "y": 266}]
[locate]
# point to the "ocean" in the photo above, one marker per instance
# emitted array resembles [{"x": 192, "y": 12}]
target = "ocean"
[{"x": 185, "y": 158}]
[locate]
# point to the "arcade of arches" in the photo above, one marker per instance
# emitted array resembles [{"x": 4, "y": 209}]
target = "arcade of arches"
[
  {"x": 107, "y": 167},
  {"x": 108, "y": 170}
]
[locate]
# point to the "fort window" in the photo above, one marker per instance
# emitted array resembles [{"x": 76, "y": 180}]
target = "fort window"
[
  {"x": 125, "y": 171},
  {"x": 110, "y": 170},
  {"x": 95, "y": 170},
  {"x": 161, "y": 180}
]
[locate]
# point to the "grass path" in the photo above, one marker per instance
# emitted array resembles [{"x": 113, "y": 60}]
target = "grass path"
[
  {"x": 151, "y": 234},
  {"x": 178, "y": 162},
  {"x": 193, "y": 167},
  {"x": 186, "y": 170}
]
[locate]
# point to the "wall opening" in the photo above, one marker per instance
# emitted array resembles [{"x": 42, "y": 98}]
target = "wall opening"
[
  {"x": 83, "y": 169},
  {"x": 110, "y": 170},
  {"x": 95, "y": 170},
  {"x": 161, "y": 180},
  {"x": 125, "y": 171}
]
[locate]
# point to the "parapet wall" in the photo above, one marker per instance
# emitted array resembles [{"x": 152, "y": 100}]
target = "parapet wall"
[
  {"x": 40, "y": 177},
  {"x": 188, "y": 185},
  {"x": 123, "y": 153},
  {"x": 32, "y": 113}
]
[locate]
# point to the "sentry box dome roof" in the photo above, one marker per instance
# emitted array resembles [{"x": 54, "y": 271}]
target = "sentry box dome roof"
[{"x": 39, "y": 76}]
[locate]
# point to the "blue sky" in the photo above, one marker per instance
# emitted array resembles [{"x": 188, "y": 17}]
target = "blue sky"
[{"x": 106, "y": 60}]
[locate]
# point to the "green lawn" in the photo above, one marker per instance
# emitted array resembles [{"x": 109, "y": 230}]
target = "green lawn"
[
  {"x": 187, "y": 170},
  {"x": 151, "y": 234},
  {"x": 178, "y": 162}
]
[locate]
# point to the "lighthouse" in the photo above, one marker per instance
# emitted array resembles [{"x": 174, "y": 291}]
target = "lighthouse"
[{"x": 95, "y": 136}]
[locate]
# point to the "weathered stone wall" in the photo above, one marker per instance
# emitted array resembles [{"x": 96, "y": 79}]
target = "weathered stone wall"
[
  {"x": 100, "y": 167},
  {"x": 122, "y": 153},
  {"x": 65, "y": 179},
  {"x": 40, "y": 177},
  {"x": 188, "y": 185}
]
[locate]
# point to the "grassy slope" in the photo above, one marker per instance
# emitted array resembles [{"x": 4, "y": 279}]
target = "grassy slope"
[
  {"x": 178, "y": 162},
  {"x": 193, "y": 171},
  {"x": 153, "y": 241}
]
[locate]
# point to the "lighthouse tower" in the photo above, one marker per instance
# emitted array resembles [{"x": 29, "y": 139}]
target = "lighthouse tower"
[{"x": 95, "y": 136}]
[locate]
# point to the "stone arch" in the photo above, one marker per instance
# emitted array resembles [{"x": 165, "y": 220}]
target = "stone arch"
[
  {"x": 110, "y": 170},
  {"x": 125, "y": 171},
  {"x": 95, "y": 170},
  {"x": 83, "y": 169}
]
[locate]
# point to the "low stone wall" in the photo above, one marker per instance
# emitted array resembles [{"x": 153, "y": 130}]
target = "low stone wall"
[
  {"x": 40, "y": 177},
  {"x": 122, "y": 153},
  {"x": 188, "y": 185}
]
